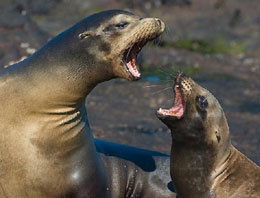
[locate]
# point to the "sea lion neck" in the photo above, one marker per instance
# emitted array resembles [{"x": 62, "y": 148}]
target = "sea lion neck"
[
  {"x": 44, "y": 100},
  {"x": 52, "y": 85},
  {"x": 68, "y": 66},
  {"x": 60, "y": 100},
  {"x": 185, "y": 160},
  {"x": 194, "y": 168}
]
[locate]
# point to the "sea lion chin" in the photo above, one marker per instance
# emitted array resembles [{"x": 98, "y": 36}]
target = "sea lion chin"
[{"x": 204, "y": 163}]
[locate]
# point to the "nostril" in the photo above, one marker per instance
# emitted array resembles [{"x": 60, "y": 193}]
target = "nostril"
[
  {"x": 141, "y": 18},
  {"x": 158, "y": 21}
]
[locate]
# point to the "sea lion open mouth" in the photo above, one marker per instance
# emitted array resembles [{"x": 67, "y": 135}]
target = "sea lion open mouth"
[
  {"x": 129, "y": 40},
  {"x": 179, "y": 106},
  {"x": 129, "y": 58}
]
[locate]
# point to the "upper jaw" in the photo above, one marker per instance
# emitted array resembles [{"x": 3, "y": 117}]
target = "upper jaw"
[{"x": 179, "y": 107}]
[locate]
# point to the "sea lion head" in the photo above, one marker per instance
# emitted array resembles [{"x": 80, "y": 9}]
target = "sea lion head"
[
  {"x": 196, "y": 116},
  {"x": 114, "y": 38}
]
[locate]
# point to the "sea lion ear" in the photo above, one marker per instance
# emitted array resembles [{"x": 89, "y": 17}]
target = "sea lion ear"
[
  {"x": 83, "y": 35},
  {"x": 217, "y": 134}
]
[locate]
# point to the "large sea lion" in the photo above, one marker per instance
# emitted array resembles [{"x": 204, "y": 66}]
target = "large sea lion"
[
  {"x": 46, "y": 145},
  {"x": 203, "y": 161}
]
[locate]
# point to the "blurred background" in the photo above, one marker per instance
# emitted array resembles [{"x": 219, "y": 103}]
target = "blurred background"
[{"x": 216, "y": 42}]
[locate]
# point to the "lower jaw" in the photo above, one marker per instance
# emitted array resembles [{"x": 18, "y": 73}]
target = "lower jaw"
[
  {"x": 130, "y": 76},
  {"x": 134, "y": 78}
]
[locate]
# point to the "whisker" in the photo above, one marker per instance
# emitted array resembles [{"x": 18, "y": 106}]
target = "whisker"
[
  {"x": 170, "y": 100},
  {"x": 149, "y": 86},
  {"x": 160, "y": 91},
  {"x": 167, "y": 80},
  {"x": 157, "y": 41},
  {"x": 164, "y": 72},
  {"x": 168, "y": 30},
  {"x": 173, "y": 73},
  {"x": 170, "y": 74}
]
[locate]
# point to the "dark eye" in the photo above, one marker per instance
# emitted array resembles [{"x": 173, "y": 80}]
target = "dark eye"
[
  {"x": 121, "y": 25},
  {"x": 202, "y": 102}
]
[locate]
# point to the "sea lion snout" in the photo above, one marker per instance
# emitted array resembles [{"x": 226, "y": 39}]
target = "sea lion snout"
[
  {"x": 154, "y": 23},
  {"x": 128, "y": 41},
  {"x": 184, "y": 83},
  {"x": 179, "y": 77},
  {"x": 186, "y": 87},
  {"x": 160, "y": 24}
]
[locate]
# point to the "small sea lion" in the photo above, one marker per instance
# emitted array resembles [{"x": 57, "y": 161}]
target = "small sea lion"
[
  {"x": 46, "y": 146},
  {"x": 204, "y": 163}
]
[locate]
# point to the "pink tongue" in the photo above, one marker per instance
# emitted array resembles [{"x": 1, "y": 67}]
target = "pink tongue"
[
  {"x": 133, "y": 71},
  {"x": 177, "y": 110}
]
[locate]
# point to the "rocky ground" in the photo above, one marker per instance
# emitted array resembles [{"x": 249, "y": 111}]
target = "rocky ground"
[{"x": 216, "y": 42}]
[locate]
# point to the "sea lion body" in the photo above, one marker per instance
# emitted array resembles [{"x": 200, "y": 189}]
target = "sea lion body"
[
  {"x": 46, "y": 145},
  {"x": 135, "y": 172},
  {"x": 204, "y": 163}
]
